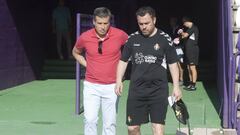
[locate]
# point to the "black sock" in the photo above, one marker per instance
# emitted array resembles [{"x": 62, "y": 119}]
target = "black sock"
[
  {"x": 193, "y": 84},
  {"x": 190, "y": 83}
]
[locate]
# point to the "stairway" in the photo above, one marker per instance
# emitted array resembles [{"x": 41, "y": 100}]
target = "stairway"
[
  {"x": 60, "y": 69},
  {"x": 206, "y": 131},
  {"x": 65, "y": 69}
]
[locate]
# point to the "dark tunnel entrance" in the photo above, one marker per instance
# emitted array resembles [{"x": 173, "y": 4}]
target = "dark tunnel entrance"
[{"x": 33, "y": 21}]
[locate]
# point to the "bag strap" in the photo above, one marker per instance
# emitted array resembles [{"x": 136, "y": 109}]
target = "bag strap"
[{"x": 189, "y": 128}]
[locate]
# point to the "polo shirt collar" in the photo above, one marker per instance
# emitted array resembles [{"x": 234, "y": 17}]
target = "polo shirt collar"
[{"x": 94, "y": 34}]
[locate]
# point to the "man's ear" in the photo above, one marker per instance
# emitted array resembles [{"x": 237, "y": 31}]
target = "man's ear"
[
  {"x": 154, "y": 20},
  {"x": 93, "y": 22}
]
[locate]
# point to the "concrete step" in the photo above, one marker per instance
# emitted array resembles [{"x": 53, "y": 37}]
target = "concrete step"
[
  {"x": 66, "y": 69},
  {"x": 206, "y": 131}
]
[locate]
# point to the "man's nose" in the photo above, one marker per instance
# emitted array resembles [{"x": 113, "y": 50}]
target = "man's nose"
[
  {"x": 144, "y": 27},
  {"x": 103, "y": 26}
]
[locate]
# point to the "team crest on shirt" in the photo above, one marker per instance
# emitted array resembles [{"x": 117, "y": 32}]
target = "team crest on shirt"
[{"x": 156, "y": 46}]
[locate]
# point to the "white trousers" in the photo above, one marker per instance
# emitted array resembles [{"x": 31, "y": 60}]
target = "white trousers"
[{"x": 94, "y": 96}]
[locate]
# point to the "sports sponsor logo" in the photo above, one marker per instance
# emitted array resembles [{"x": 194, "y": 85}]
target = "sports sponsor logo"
[{"x": 140, "y": 58}]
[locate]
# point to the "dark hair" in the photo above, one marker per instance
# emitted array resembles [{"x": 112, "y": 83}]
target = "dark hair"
[
  {"x": 101, "y": 12},
  {"x": 186, "y": 19},
  {"x": 146, "y": 10}
]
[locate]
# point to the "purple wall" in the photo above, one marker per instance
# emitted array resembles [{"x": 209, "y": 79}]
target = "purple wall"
[
  {"x": 225, "y": 59},
  {"x": 14, "y": 65}
]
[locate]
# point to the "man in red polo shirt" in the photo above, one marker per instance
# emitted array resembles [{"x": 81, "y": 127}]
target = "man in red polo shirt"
[{"x": 102, "y": 47}]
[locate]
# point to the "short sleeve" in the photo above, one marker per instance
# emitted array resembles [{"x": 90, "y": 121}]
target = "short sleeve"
[
  {"x": 124, "y": 38},
  {"x": 193, "y": 34},
  {"x": 79, "y": 44},
  {"x": 171, "y": 54},
  {"x": 127, "y": 50}
]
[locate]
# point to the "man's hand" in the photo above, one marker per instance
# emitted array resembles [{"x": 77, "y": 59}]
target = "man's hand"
[
  {"x": 121, "y": 68},
  {"x": 176, "y": 41},
  {"x": 177, "y": 93},
  {"x": 180, "y": 31},
  {"x": 119, "y": 88}
]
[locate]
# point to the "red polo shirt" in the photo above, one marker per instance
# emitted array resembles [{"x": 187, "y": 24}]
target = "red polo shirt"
[{"x": 101, "y": 68}]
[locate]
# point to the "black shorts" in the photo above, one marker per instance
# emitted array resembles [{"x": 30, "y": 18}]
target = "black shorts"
[
  {"x": 140, "y": 110},
  {"x": 192, "y": 54}
]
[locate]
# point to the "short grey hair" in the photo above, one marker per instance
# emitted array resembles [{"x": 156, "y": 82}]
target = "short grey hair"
[{"x": 101, "y": 12}]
